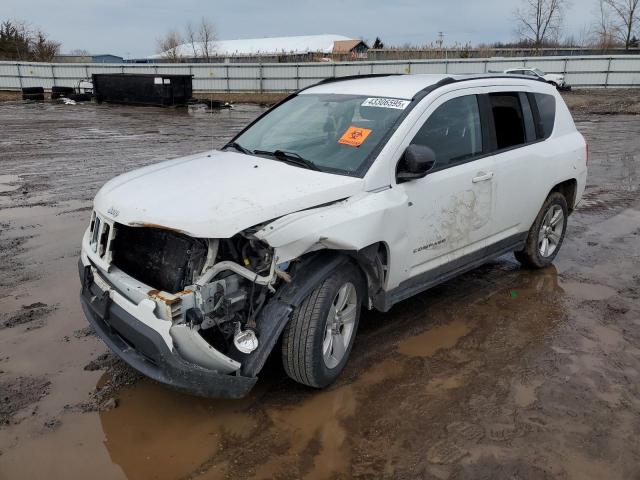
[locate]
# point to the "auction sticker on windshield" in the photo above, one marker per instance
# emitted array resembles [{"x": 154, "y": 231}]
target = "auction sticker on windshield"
[
  {"x": 354, "y": 136},
  {"x": 386, "y": 103}
]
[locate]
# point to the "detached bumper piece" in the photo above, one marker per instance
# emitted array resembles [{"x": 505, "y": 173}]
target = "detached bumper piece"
[{"x": 144, "y": 349}]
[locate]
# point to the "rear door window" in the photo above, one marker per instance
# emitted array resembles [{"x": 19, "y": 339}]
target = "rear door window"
[
  {"x": 453, "y": 131},
  {"x": 508, "y": 119},
  {"x": 546, "y": 105}
]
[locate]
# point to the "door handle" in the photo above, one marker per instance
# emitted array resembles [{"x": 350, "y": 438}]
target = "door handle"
[{"x": 483, "y": 177}]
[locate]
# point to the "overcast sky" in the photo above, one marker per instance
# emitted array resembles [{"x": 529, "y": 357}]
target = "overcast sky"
[{"x": 130, "y": 28}]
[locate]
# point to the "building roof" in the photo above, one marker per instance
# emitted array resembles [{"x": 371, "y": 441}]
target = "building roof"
[
  {"x": 345, "y": 46},
  {"x": 265, "y": 46}
]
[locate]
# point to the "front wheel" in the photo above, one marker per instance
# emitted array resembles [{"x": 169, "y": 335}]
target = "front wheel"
[
  {"x": 546, "y": 234},
  {"x": 318, "y": 339}
]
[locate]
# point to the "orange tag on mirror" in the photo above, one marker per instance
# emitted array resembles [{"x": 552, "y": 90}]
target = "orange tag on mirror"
[{"x": 354, "y": 136}]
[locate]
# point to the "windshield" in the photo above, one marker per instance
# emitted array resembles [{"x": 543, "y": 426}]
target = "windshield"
[
  {"x": 538, "y": 71},
  {"x": 336, "y": 133}
]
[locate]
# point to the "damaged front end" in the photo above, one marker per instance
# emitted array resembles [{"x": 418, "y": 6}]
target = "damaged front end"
[{"x": 183, "y": 310}]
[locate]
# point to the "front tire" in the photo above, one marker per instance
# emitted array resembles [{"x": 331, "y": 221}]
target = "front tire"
[
  {"x": 546, "y": 234},
  {"x": 318, "y": 339}
]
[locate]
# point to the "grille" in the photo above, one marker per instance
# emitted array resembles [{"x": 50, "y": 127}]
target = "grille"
[
  {"x": 100, "y": 236},
  {"x": 162, "y": 259}
]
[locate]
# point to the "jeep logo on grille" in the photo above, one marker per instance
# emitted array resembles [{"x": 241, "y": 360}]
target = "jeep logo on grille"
[{"x": 114, "y": 212}]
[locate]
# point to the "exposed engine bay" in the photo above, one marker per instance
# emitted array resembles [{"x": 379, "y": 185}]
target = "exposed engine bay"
[
  {"x": 214, "y": 287},
  {"x": 218, "y": 304}
]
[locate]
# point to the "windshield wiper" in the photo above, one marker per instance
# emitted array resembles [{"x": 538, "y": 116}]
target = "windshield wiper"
[
  {"x": 238, "y": 147},
  {"x": 289, "y": 157}
]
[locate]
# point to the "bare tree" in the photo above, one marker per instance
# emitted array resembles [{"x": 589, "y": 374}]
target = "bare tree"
[
  {"x": 603, "y": 31},
  {"x": 206, "y": 35},
  {"x": 168, "y": 46},
  {"x": 539, "y": 21},
  {"x": 80, "y": 52},
  {"x": 626, "y": 14},
  {"x": 191, "y": 37},
  {"x": 44, "y": 49}
]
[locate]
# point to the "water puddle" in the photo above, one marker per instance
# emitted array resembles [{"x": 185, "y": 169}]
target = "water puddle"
[
  {"x": 161, "y": 434},
  {"x": 316, "y": 430},
  {"x": 525, "y": 394},
  {"x": 438, "y": 338}
]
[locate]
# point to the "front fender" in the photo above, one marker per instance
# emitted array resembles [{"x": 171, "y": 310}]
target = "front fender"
[{"x": 350, "y": 225}]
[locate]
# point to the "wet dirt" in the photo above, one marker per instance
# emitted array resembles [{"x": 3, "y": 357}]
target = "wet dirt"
[
  {"x": 603, "y": 101},
  {"x": 500, "y": 373}
]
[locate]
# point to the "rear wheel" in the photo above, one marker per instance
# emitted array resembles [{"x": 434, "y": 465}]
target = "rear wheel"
[
  {"x": 318, "y": 339},
  {"x": 546, "y": 234}
]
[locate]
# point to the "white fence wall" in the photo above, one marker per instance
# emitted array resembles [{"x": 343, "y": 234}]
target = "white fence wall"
[{"x": 587, "y": 71}]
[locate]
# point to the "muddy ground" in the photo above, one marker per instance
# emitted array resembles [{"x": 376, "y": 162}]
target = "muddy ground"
[{"x": 500, "y": 373}]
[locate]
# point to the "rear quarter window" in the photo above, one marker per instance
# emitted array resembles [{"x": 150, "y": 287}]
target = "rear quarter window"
[{"x": 547, "y": 114}]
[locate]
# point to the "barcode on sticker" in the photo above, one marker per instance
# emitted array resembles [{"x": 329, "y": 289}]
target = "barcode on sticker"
[{"x": 386, "y": 103}]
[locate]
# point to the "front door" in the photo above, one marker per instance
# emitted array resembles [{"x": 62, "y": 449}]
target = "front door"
[{"x": 451, "y": 209}]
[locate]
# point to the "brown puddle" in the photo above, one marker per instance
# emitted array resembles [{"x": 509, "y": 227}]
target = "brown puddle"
[
  {"x": 435, "y": 339},
  {"x": 160, "y": 434},
  {"x": 156, "y": 433}
]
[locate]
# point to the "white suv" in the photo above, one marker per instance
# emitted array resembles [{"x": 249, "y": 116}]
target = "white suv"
[
  {"x": 356, "y": 192},
  {"x": 555, "y": 79}
]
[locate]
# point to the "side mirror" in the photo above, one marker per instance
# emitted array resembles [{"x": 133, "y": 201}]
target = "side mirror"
[{"x": 416, "y": 162}]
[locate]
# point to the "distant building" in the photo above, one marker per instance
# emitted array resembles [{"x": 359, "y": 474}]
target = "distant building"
[
  {"x": 274, "y": 49},
  {"x": 101, "y": 58},
  {"x": 350, "y": 48}
]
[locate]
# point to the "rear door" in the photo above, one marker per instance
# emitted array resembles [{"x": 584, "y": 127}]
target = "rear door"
[{"x": 521, "y": 163}]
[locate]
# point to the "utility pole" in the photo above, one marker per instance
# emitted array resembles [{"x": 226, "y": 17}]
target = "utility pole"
[{"x": 440, "y": 41}]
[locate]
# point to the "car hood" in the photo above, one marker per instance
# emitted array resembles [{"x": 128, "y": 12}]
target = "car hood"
[{"x": 217, "y": 194}]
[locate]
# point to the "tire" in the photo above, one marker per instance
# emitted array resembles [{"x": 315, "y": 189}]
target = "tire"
[
  {"x": 308, "y": 336},
  {"x": 58, "y": 92},
  {"x": 32, "y": 90},
  {"x": 33, "y": 93},
  {"x": 546, "y": 234}
]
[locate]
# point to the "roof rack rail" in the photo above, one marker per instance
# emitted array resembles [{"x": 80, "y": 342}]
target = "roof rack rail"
[
  {"x": 449, "y": 79},
  {"x": 481, "y": 76},
  {"x": 355, "y": 77}
]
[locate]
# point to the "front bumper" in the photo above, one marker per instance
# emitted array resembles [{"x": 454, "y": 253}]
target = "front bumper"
[{"x": 145, "y": 350}]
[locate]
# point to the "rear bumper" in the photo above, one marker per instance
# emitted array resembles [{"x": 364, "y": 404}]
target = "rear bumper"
[{"x": 144, "y": 349}]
